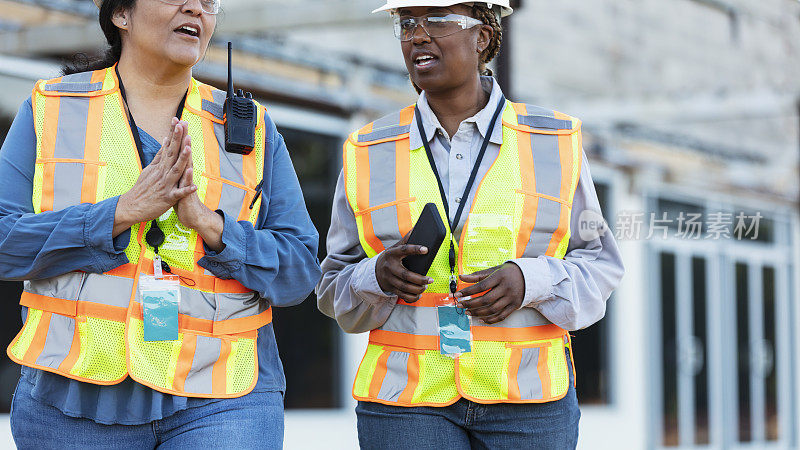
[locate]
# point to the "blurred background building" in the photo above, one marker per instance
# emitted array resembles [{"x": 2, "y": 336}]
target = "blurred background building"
[{"x": 691, "y": 112}]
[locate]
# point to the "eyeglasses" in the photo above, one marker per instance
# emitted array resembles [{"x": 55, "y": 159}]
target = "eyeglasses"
[
  {"x": 208, "y": 6},
  {"x": 435, "y": 25}
]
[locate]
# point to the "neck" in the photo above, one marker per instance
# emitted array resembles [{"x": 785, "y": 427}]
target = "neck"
[
  {"x": 153, "y": 83},
  {"x": 453, "y": 106}
]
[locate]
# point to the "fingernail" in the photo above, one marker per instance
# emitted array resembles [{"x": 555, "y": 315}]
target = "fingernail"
[
  {"x": 424, "y": 249},
  {"x": 430, "y": 280},
  {"x": 458, "y": 295}
]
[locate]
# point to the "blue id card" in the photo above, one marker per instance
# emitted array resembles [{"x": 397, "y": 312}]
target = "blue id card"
[
  {"x": 160, "y": 300},
  {"x": 455, "y": 335}
]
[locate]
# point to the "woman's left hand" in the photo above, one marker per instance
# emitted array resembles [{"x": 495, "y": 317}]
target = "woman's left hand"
[
  {"x": 505, "y": 286},
  {"x": 197, "y": 216}
]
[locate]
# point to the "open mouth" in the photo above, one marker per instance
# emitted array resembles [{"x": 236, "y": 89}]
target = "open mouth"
[
  {"x": 424, "y": 61},
  {"x": 188, "y": 30}
]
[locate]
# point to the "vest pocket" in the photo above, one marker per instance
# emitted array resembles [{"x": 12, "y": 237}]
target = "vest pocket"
[
  {"x": 537, "y": 371},
  {"x": 391, "y": 375},
  {"x": 197, "y": 364},
  {"x": 240, "y": 312},
  {"x": 58, "y": 188},
  {"x": 384, "y": 219},
  {"x": 59, "y": 337}
]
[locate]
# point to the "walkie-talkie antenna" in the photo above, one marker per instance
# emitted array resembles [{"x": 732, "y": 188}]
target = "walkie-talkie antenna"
[{"x": 230, "y": 74}]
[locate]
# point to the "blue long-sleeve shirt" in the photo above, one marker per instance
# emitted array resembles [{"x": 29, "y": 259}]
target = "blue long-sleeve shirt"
[{"x": 277, "y": 258}]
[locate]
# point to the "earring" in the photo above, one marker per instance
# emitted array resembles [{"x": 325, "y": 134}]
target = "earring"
[{"x": 124, "y": 23}]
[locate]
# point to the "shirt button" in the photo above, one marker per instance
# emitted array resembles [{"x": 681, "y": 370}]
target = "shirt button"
[
  {"x": 459, "y": 156},
  {"x": 458, "y": 199}
]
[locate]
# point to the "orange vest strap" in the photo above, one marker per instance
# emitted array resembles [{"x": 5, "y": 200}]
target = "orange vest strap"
[
  {"x": 483, "y": 333},
  {"x": 403, "y": 340},
  {"x": 72, "y": 308}
]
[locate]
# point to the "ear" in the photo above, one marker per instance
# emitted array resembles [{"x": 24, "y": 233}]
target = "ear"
[
  {"x": 485, "y": 35},
  {"x": 120, "y": 19}
]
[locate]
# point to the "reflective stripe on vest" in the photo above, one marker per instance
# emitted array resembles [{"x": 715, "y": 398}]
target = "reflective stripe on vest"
[
  {"x": 77, "y": 322},
  {"x": 521, "y": 209}
]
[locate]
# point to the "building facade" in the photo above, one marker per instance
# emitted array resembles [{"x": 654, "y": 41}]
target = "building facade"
[{"x": 691, "y": 112}]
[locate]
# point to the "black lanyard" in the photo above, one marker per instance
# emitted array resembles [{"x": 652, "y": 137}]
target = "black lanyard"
[
  {"x": 154, "y": 237},
  {"x": 474, "y": 174},
  {"x": 134, "y": 129}
]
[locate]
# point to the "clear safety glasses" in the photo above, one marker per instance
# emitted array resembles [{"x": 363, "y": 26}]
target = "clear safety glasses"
[
  {"x": 208, "y": 6},
  {"x": 435, "y": 25}
]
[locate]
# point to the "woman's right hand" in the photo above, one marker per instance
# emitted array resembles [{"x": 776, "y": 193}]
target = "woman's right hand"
[
  {"x": 156, "y": 190},
  {"x": 393, "y": 276}
]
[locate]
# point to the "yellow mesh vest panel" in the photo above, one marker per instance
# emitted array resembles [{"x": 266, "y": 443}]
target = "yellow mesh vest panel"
[
  {"x": 26, "y": 336},
  {"x": 424, "y": 187},
  {"x": 366, "y": 369},
  {"x": 118, "y": 150},
  {"x": 152, "y": 359},
  {"x": 557, "y": 366},
  {"x": 180, "y": 240},
  {"x": 38, "y": 172},
  {"x": 102, "y": 351},
  {"x": 260, "y": 136},
  {"x": 436, "y": 379},
  {"x": 490, "y": 233},
  {"x": 240, "y": 365},
  {"x": 484, "y": 371}
]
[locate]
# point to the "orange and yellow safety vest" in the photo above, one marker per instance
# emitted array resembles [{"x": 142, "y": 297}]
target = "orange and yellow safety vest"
[
  {"x": 89, "y": 326},
  {"x": 521, "y": 208}
]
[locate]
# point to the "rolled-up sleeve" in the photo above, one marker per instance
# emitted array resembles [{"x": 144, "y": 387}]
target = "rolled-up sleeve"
[
  {"x": 36, "y": 246},
  {"x": 572, "y": 292},
  {"x": 278, "y": 256},
  {"x": 349, "y": 290}
]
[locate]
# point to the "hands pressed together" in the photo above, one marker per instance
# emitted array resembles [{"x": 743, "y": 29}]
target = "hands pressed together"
[
  {"x": 503, "y": 286},
  {"x": 165, "y": 183}
]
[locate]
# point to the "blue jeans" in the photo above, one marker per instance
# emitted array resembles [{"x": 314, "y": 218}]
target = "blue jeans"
[
  {"x": 254, "y": 421},
  {"x": 466, "y": 424}
]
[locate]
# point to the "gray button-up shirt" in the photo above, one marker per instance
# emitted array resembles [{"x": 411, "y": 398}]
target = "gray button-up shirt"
[{"x": 570, "y": 292}]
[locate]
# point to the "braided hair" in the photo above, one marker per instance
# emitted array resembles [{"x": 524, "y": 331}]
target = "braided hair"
[{"x": 488, "y": 17}]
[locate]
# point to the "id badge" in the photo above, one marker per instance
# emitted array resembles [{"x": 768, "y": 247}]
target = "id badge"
[
  {"x": 455, "y": 334},
  {"x": 160, "y": 300}
]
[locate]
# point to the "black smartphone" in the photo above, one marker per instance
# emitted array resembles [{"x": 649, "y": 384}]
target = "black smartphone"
[{"x": 430, "y": 232}]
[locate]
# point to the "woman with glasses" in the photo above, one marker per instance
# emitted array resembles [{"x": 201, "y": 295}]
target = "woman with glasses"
[
  {"x": 475, "y": 353},
  {"x": 151, "y": 255}
]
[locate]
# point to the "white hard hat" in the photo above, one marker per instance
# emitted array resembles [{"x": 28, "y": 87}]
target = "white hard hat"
[{"x": 505, "y": 7}]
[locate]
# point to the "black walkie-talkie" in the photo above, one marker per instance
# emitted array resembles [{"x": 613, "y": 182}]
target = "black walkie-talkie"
[{"x": 241, "y": 118}]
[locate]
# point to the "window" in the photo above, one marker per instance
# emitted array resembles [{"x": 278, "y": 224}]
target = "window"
[
  {"x": 308, "y": 341},
  {"x": 10, "y": 324}
]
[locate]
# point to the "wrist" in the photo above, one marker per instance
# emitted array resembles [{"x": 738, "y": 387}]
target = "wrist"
[
  {"x": 210, "y": 226},
  {"x": 123, "y": 216}
]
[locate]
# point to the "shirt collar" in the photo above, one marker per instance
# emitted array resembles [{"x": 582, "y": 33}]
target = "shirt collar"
[{"x": 483, "y": 118}]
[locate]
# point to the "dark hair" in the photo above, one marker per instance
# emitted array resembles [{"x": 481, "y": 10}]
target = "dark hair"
[
  {"x": 488, "y": 17},
  {"x": 81, "y": 62}
]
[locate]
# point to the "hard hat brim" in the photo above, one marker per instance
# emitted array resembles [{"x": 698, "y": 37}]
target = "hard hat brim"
[{"x": 504, "y": 11}]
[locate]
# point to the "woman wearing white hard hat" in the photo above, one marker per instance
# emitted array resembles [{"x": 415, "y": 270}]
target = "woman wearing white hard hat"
[
  {"x": 150, "y": 256},
  {"x": 475, "y": 353}
]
